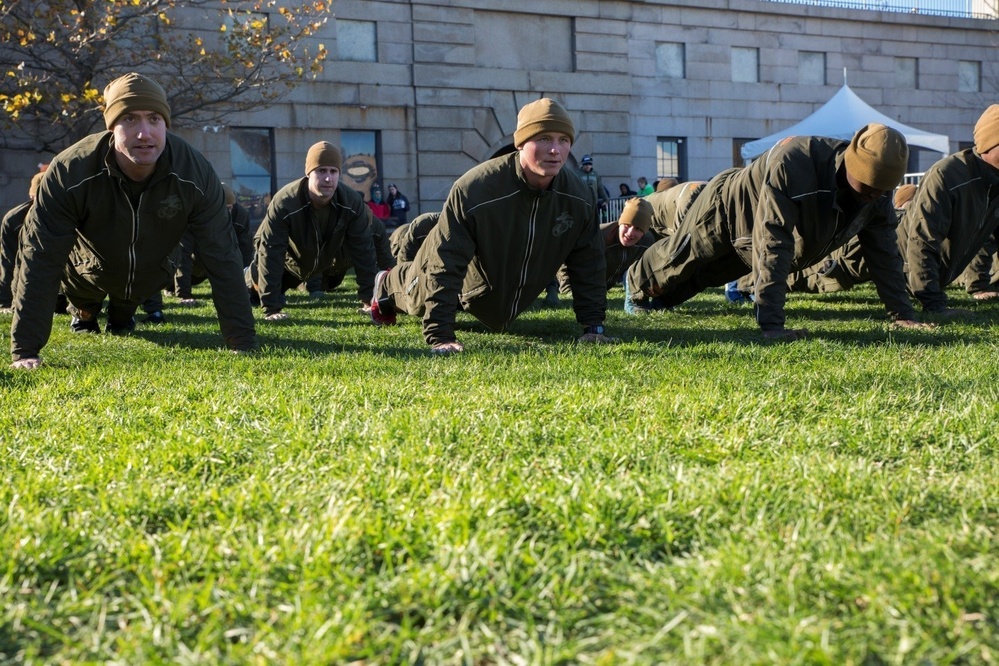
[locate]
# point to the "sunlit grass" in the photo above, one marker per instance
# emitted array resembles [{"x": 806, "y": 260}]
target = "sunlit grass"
[{"x": 691, "y": 495}]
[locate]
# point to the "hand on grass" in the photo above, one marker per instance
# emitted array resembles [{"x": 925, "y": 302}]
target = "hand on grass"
[
  {"x": 786, "y": 334},
  {"x": 447, "y": 348},
  {"x": 985, "y": 295},
  {"x": 276, "y": 316},
  {"x": 26, "y": 363},
  {"x": 912, "y": 323}
]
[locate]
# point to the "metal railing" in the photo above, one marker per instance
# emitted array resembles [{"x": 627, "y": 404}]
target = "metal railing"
[{"x": 978, "y": 9}]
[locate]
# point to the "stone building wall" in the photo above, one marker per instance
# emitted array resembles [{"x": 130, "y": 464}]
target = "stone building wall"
[{"x": 450, "y": 77}]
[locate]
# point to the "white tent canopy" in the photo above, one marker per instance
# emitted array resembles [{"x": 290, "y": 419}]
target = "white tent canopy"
[{"x": 840, "y": 118}]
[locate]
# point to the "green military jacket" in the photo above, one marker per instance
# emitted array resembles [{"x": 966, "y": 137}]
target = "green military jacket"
[
  {"x": 670, "y": 207},
  {"x": 83, "y": 214},
  {"x": 498, "y": 243},
  {"x": 294, "y": 238},
  {"x": 955, "y": 210},
  {"x": 786, "y": 212}
]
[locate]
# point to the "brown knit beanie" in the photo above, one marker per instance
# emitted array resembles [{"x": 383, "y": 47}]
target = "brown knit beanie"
[
  {"x": 987, "y": 130},
  {"x": 134, "y": 92},
  {"x": 543, "y": 115},
  {"x": 35, "y": 182},
  {"x": 324, "y": 154},
  {"x": 904, "y": 194},
  {"x": 230, "y": 196},
  {"x": 637, "y": 213},
  {"x": 666, "y": 183},
  {"x": 877, "y": 156}
]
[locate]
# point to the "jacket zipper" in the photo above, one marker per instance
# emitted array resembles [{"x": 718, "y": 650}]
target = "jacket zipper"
[
  {"x": 531, "y": 229},
  {"x": 130, "y": 278}
]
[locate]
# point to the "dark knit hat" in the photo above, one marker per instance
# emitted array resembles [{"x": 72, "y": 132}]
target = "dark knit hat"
[
  {"x": 586, "y": 160},
  {"x": 324, "y": 154},
  {"x": 987, "y": 130},
  {"x": 904, "y": 194},
  {"x": 877, "y": 156},
  {"x": 637, "y": 213},
  {"x": 543, "y": 115},
  {"x": 134, "y": 92},
  {"x": 230, "y": 196},
  {"x": 35, "y": 182}
]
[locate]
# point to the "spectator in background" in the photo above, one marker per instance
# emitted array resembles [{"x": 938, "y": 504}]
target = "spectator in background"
[
  {"x": 644, "y": 189},
  {"x": 626, "y": 191},
  {"x": 592, "y": 180},
  {"x": 399, "y": 205},
  {"x": 380, "y": 209}
]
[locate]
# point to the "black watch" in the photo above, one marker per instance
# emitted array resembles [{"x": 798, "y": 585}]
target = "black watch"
[{"x": 597, "y": 329}]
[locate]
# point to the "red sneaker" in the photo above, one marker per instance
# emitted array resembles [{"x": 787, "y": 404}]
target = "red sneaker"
[{"x": 382, "y": 315}]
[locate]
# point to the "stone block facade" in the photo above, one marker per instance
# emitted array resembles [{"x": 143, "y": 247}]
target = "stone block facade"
[{"x": 450, "y": 76}]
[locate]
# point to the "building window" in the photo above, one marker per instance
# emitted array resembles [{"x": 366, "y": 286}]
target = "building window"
[
  {"x": 552, "y": 46},
  {"x": 356, "y": 40},
  {"x": 812, "y": 68},
  {"x": 671, "y": 60},
  {"x": 361, "y": 157},
  {"x": 251, "y": 154},
  {"x": 969, "y": 76},
  {"x": 907, "y": 73},
  {"x": 745, "y": 64},
  {"x": 671, "y": 158}
]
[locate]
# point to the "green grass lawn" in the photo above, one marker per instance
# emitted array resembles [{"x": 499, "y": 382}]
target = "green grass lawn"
[{"x": 691, "y": 495}]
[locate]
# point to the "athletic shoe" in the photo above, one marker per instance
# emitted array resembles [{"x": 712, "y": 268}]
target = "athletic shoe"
[
  {"x": 155, "y": 318},
  {"x": 122, "y": 328},
  {"x": 383, "y": 313},
  {"x": 630, "y": 306},
  {"x": 78, "y": 325}
]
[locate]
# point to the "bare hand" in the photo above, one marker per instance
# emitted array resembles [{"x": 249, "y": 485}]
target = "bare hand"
[
  {"x": 985, "y": 295},
  {"x": 912, "y": 323},
  {"x": 446, "y": 348},
  {"x": 786, "y": 334},
  {"x": 26, "y": 363},
  {"x": 599, "y": 339},
  {"x": 276, "y": 316}
]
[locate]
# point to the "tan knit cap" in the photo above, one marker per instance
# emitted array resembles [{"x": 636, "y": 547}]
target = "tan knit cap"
[
  {"x": 877, "y": 156},
  {"x": 134, "y": 92},
  {"x": 543, "y": 115},
  {"x": 987, "y": 130},
  {"x": 666, "y": 183},
  {"x": 904, "y": 194},
  {"x": 230, "y": 196},
  {"x": 637, "y": 213},
  {"x": 324, "y": 154}
]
